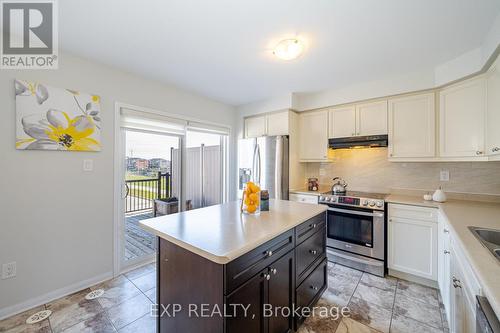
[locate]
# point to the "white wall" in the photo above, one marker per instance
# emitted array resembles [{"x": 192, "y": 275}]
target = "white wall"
[
  {"x": 56, "y": 220},
  {"x": 418, "y": 80}
]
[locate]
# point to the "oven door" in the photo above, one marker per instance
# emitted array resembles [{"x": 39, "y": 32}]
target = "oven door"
[{"x": 356, "y": 230}]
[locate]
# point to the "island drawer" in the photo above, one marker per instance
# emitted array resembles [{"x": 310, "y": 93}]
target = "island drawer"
[
  {"x": 306, "y": 229},
  {"x": 243, "y": 268},
  {"x": 312, "y": 287},
  {"x": 310, "y": 250}
]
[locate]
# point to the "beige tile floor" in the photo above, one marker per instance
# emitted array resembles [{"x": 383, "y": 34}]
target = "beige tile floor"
[{"x": 376, "y": 305}]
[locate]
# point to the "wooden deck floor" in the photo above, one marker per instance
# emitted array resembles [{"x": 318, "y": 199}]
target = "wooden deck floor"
[{"x": 138, "y": 242}]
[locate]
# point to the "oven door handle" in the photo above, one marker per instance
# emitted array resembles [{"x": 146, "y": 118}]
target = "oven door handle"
[{"x": 355, "y": 212}]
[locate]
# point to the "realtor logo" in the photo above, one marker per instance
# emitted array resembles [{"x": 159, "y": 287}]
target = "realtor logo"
[{"x": 29, "y": 34}]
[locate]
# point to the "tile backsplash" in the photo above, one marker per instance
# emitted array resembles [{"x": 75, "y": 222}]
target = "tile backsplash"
[{"x": 369, "y": 170}]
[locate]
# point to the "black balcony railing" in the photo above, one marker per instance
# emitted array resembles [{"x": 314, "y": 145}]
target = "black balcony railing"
[{"x": 141, "y": 193}]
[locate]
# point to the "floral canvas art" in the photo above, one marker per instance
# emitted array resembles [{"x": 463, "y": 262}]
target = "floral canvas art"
[{"x": 50, "y": 118}]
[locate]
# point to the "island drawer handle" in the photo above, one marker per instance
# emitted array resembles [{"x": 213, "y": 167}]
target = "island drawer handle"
[
  {"x": 274, "y": 271},
  {"x": 268, "y": 253},
  {"x": 314, "y": 225},
  {"x": 313, "y": 252},
  {"x": 266, "y": 276}
]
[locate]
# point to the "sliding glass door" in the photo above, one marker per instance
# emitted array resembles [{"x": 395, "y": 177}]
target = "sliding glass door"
[
  {"x": 205, "y": 169},
  {"x": 166, "y": 165},
  {"x": 151, "y": 188}
]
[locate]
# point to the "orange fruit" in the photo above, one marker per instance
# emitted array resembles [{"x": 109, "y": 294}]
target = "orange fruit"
[
  {"x": 251, "y": 208},
  {"x": 254, "y": 197}
]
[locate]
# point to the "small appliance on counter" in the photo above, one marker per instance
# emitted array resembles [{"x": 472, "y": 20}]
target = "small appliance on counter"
[{"x": 312, "y": 184}]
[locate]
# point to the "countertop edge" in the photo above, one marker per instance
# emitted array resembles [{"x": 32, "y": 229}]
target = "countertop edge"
[
  {"x": 485, "y": 290},
  {"x": 228, "y": 257}
]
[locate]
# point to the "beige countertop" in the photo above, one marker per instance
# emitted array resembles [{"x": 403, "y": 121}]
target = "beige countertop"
[
  {"x": 460, "y": 214},
  {"x": 221, "y": 233}
]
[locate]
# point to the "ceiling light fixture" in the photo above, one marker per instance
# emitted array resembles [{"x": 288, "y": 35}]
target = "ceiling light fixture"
[{"x": 289, "y": 49}]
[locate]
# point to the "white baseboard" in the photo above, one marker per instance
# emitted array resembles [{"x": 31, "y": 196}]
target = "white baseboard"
[
  {"x": 413, "y": 278},
  {"x": 53, "y": 295}
]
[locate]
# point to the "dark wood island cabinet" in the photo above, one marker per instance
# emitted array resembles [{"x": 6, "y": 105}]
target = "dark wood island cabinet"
[{"x": 257, "y": 291}]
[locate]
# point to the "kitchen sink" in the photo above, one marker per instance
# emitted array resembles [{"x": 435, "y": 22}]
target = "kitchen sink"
[{"x": 490, "y": 238}]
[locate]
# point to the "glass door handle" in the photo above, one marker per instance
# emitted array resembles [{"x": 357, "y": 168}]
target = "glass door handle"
[{"x": 127, "y": 191}]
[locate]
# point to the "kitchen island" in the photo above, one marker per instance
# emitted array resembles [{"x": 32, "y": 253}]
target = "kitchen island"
[{"x": 223, "y": 271}]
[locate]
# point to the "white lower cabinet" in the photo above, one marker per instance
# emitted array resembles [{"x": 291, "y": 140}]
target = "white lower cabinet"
[
  {"x": 457, "y": 282},
  {"x": 412, "y": 236},
  {"x": 463, "y": 290}
]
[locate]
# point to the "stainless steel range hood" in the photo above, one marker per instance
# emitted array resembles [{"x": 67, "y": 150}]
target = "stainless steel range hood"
[{"x": 359, "y": 142}]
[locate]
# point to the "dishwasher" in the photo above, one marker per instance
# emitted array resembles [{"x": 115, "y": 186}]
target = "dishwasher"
[{"x": 486, "y": 319}]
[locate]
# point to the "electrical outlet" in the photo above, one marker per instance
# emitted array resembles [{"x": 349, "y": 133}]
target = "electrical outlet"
[
  {"x": 9, "y": 270},
  {"x": 322, "y": 172},
  {"x": 444, "y": 175}
]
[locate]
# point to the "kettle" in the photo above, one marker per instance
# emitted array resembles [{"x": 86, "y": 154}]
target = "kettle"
[{"x": 339, "y": 186}]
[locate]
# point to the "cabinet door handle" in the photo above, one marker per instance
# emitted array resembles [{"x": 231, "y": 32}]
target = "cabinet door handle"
[
  {"x": 314, "y": 288},
  {"x": 266, "y": 276},
  {"x": 457, "y": 285},
  {"x": 495, "y": 149},
  {"x": 446, "y": 252},
  {"x": 274, "y": 271},
  {"x": 314, "y": 225},
  {"x": 313, "y": 252},
  {"x": 455, "y": 280},
  {"x": 446, "y": 231},
  {"x": 268, "y": 253},
  {"x": 479, "y": 152}
]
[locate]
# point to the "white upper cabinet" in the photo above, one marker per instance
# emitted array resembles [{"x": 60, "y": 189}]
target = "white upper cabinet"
[
  {"x": 277, "y": 123},
  {"x": 493, "y": 116},
  {"x": 412, "y": 126},
  {"x": 314, "y": 136},
  {"x": 269, "y": 124},
  {"x": 462, "y": 119},
  {"x": 342, "y": 122},
  {"x": 255, "y": 127},
  {"x": 371, "y": 118}
]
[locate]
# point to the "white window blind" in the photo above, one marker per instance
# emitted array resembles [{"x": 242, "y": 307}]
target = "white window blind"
[
  {"x": 147, "y": 121},
  {"x": 207, "y": 128}
]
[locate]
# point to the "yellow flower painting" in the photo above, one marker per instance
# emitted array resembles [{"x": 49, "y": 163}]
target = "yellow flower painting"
[{"x": 50, "y": 118}]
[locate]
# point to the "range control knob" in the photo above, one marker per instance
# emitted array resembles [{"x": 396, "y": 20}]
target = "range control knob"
[
  {"x": 333, "y": 199},
  {"x": 365, "y": 202},
  {"x": 380, "y": 204},
  {"x": 321, "y": 198},
  {"x": 371, "y": 203}
]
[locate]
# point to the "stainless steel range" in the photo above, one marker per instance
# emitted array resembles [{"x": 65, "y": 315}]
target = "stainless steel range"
[{"x": 356, "y": 230}]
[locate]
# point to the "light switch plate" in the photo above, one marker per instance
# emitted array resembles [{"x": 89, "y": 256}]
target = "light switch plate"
[
  {"x": 9, "y": 270},
  {"x": 322, "y": 172},
  {"x": 444, "y": 175},
  {"x": 88, "y": 165}
]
